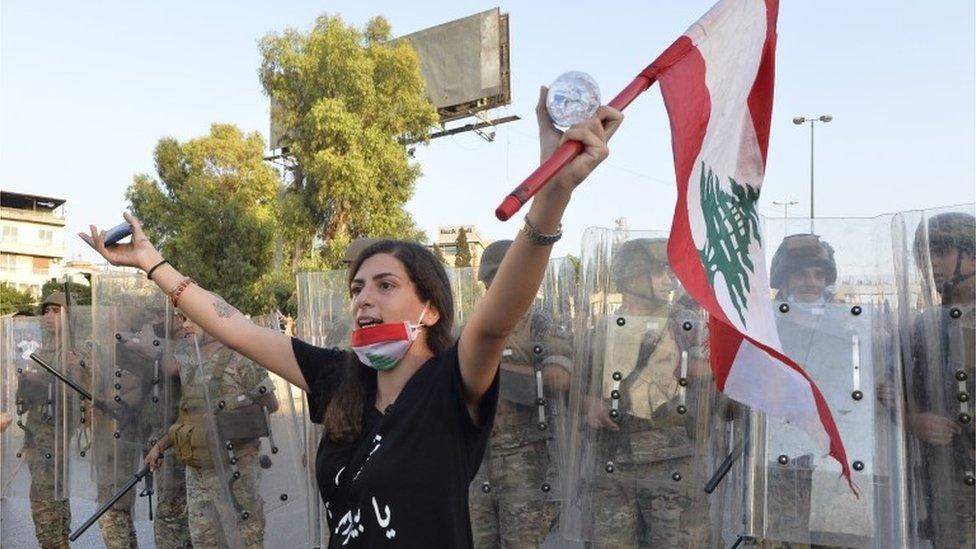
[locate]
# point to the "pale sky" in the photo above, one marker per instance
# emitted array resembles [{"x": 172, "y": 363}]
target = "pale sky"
[{"x": 87, "y": 89}]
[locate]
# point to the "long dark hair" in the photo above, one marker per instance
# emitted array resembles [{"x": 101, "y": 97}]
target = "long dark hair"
[{"x": 343, "y": 418}]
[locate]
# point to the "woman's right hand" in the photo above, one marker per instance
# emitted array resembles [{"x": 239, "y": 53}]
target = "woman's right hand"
[{"x": 139, "y": 252}]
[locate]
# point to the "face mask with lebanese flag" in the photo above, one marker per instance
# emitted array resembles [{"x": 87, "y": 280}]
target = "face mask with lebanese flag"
[{"x": 381, "y": 346}]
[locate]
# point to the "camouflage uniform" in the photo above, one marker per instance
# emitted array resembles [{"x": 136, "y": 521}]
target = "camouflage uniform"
[
  {"x": 117, "y": 458},
  {"x": 509, "y": 507},
  {"x": 227, "y": 375},
  {"x": 49, "y": 510},
  {"x": 654, "y": 441},
  {"x": 171, "y": 528},
  {"x": 950, "y": 499},
  {"x": 943, "y": 381}
]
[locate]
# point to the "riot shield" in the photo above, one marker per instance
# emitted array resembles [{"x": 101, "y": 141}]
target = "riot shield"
[
  {"x": 252, "y": 459},
  {"x": 834, "y": 305},
  {"x": 134, "y": 396},
  {"x": 933, "y": 252},
  {"x": 644, "y": 408},
  {"x": 324, "y": 321},
  {"x": 35, "y": 443},
  {"x": 515, "y": 497}
]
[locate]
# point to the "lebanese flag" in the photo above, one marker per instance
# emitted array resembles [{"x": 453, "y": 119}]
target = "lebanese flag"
[{"x": 717, "y": 83}]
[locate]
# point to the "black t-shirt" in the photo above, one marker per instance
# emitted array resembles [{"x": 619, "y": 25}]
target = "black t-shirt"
[{"x": 404, "y": 483}]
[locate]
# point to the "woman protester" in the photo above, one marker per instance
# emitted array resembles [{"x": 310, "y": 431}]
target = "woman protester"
[{"x": 408, "y": 411}]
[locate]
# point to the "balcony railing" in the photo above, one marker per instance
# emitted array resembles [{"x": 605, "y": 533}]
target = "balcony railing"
[{"x": 55, "y": 217}]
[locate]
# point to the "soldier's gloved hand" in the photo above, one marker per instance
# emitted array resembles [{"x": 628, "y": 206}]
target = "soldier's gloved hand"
[
  {"x": 598, "y": 415},
  {"x": 933, "y": 428}
]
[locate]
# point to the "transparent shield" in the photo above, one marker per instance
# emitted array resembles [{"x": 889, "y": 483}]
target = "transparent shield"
[
  {"x": 933, "y": 253},
  {"x": 255, "y": 455},
  {"x": 522, "y": 466},
  {"x": 645, "y": 413},
  {"x": 834, "y": 303},
  {"x": 324, "y": 321},
  {"x": 33, "y": 446}
]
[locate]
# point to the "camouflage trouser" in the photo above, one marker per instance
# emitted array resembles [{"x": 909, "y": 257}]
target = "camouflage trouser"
[
  {"x": 116, "y": 463},
  {"x": 205, "y": 490},
  {"x": 52, "y": 522},
  {"x": 515, "y": 512},
  {"x": 171, "y": 529},
  {"x": 509, "y": 521},
  {"x": 49, "y": 506},
  {"x": 788, "y": 492},
  {"x": 953, "y": 520},
  {"x": 656, "y": 513}
]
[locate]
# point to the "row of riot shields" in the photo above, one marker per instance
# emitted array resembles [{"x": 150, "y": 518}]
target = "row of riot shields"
[
  {"x": 609, "y": 429},
  {"x": 93, "y": 387}
]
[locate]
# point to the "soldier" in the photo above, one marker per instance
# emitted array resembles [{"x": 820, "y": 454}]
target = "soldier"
[
  {"x": 513, "y": 507},
  {"x": 170, "y": 525},
  {"x": 654, "y": 371},
  {"x": 221, "y": 375},
  {"x": 120, "y": 432},
  {"x": 941, "y": 383},
  {"x": 41, "y": 397},
  {"x": 803, "y": 269}
]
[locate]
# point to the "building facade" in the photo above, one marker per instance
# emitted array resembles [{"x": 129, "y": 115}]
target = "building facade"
[
  {"x": 32, "y": 240},
  {"x": 446, "y": 242}
]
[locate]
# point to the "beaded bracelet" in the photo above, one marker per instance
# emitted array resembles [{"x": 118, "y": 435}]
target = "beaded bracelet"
[{"x": 174, "y": 296}]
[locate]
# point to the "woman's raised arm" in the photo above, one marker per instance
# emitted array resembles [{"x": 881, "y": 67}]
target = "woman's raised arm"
[
  {"x": 518, "y": 278},
  {"x": 269, "y": 348}
]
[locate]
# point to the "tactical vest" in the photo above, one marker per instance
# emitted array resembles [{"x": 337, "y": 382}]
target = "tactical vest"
[{"x": 237, "y": 420}]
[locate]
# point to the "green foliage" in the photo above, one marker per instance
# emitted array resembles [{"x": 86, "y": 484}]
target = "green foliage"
[
  {"x": 81, "y": 294},
  {"x": 13, "y": 300},
  {"x": 212, "y": 213},
  {"x": 439, "y": 254},
  {"x": 350, "y": 100},
  {"x": 462, "y": 258}
]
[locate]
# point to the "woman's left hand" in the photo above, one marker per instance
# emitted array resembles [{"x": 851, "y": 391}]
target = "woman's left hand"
[{"x": 593, "y": 133}]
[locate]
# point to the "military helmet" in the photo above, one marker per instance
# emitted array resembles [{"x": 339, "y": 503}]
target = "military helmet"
[
  {"x": 799, "y": 251},
  {"x": 356, "y": 247},
  {"x": 636, "y": 257},
  {"x": 491, "y": 258},
  {"x": 54, "y": 298},
  {"x": 946, "y": 230}
]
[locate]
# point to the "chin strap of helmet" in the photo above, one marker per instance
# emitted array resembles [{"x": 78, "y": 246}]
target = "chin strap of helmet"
[{"x": 957, "y": 278}]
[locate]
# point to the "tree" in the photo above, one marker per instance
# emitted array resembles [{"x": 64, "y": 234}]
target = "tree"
[
  {"x": 13, "y": 300},
  {"x": 212, "y": 213},
  {"x": 439, "y": 254},
  {"x": 462, "y": 258},
  {"x": 81, "y": 294},
  {"x": 350, "y": 99}
]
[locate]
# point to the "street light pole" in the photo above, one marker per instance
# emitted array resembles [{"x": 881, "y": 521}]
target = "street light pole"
[
  {"x": 799, "y": 120},
  {"x": 785, "y": 205},
  {"x": 786, "y": 215}
]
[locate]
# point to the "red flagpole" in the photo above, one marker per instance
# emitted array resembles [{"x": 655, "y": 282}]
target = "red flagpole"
[{"x": 571, "y": 149}]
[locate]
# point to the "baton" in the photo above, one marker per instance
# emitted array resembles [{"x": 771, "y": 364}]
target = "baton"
[
  {"x": 64, "y": 379},
  {"x": 112, "y": 501},
  {"x": 723, "y": 469},
  {"x": 117, "y": 414},
  {"x": 571, "y": 149}
]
